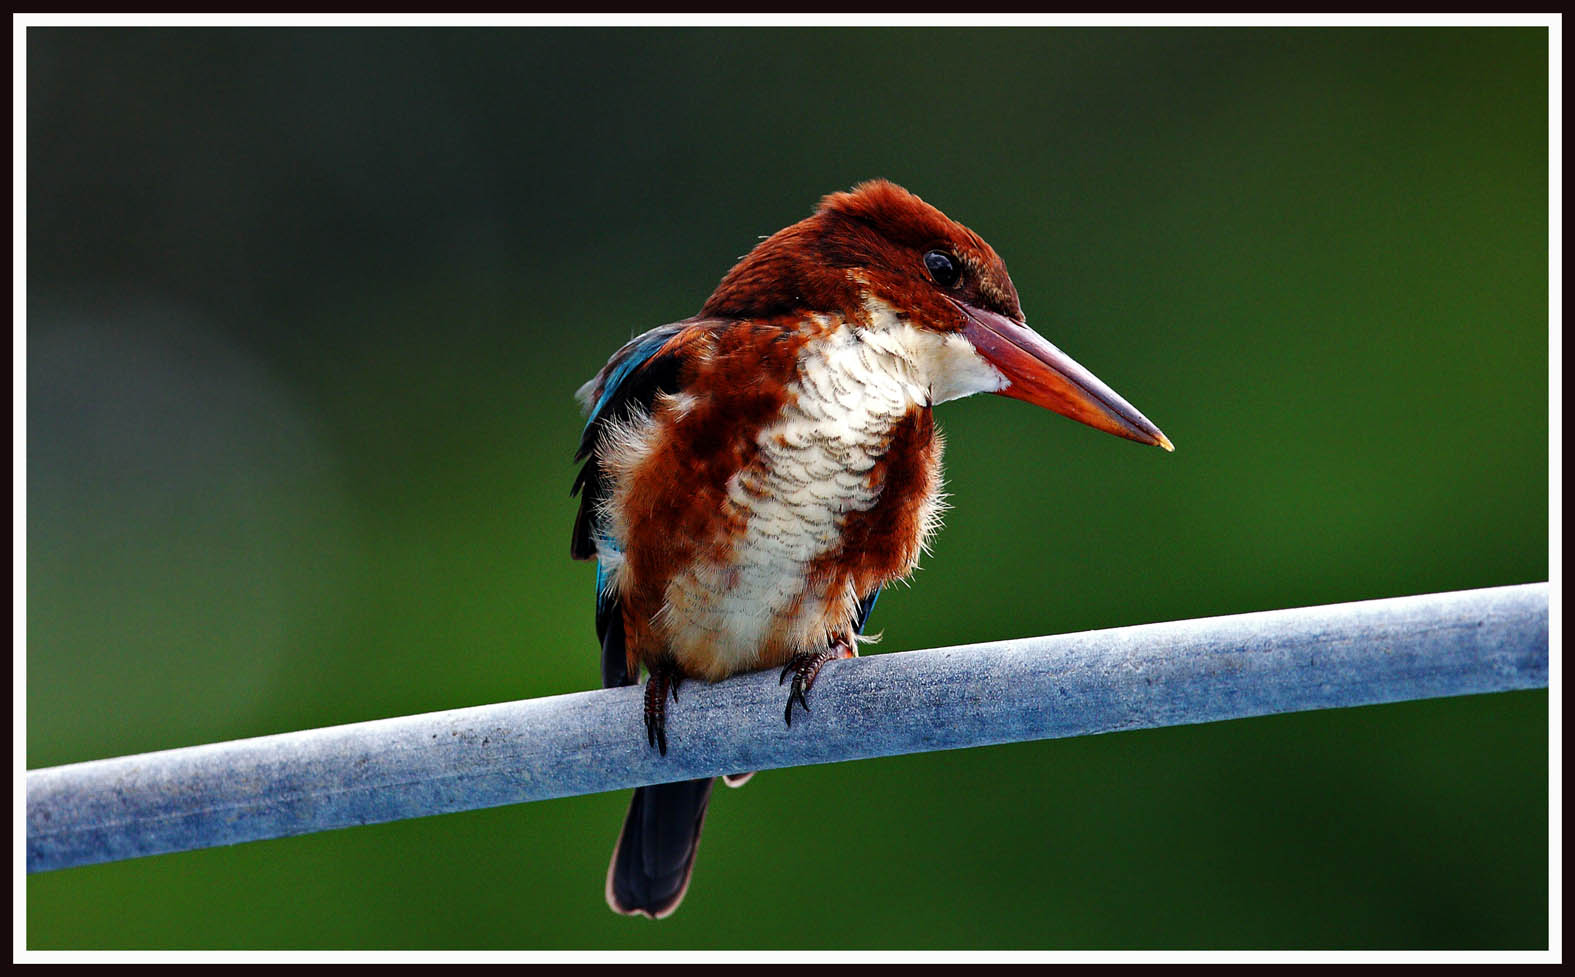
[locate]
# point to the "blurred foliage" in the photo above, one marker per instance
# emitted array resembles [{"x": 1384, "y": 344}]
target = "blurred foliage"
[{"x": 307, "y": 309}]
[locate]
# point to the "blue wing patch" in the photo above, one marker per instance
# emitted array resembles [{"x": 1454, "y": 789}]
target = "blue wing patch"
[
  {"x": 633, "y": 356},
  {"x": 630, "y": 381},
  {"x": 862, "y": 614}
]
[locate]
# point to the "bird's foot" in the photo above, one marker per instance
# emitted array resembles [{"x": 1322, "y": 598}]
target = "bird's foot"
[
  {"x": 805, "y": 666},
  {"x": 664, "y": 679}
]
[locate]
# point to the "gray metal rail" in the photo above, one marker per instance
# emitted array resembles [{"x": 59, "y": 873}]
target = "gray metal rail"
[{"x": 1035, "y": 688}]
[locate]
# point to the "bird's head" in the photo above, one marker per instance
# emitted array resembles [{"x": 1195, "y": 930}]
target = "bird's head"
[{"x": 879, "y": 254}]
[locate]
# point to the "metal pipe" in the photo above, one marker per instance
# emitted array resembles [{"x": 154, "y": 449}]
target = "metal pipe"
[{"x": 1150, "y": 675}]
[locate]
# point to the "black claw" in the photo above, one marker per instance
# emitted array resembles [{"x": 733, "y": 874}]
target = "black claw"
[
  {"x": 656, "y": 732},
  {"x": 796, "y": 694},
  {"x": 664, "y": 679},
  {"x": 804, "y": 666}
]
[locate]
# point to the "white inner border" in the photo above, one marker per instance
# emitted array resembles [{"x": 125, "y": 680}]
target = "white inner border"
[{"x": 1555, "y": 24}]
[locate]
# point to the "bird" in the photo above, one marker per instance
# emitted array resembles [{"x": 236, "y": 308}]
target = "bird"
[{"x": 755, "y": 474}]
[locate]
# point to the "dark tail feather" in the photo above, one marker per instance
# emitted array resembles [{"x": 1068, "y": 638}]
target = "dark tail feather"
[{"x": 655, "y": 855}]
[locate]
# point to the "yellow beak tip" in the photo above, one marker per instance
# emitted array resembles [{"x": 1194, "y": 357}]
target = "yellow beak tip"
[{"x": 1164, "y": 442}]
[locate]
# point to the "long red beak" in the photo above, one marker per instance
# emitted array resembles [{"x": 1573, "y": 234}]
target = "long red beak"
[{"x": 1041, "y": 374}]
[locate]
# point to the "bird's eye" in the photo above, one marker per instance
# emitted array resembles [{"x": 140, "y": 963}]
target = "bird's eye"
[{"x": 943, "y": 268}]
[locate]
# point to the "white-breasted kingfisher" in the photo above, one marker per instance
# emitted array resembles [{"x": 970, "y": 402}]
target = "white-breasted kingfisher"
[{"x": 755, "y": 475}]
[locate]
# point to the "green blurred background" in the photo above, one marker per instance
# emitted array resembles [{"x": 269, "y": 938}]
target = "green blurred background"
[{"x": 307, "y": 309}]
